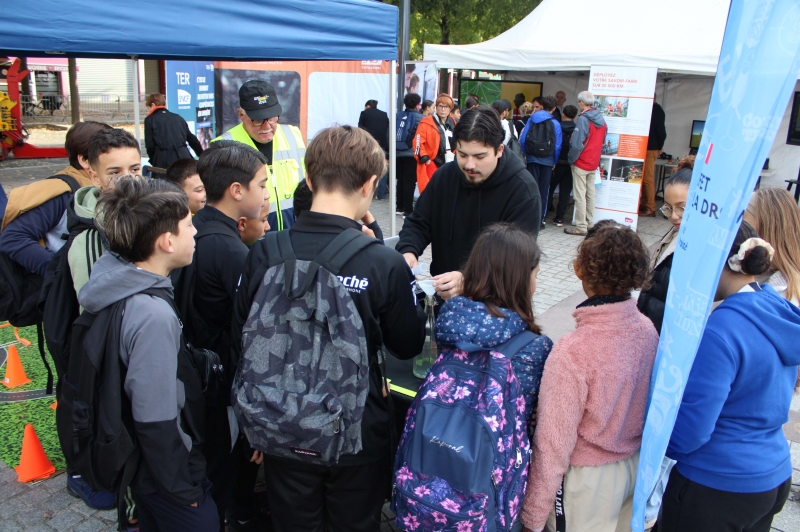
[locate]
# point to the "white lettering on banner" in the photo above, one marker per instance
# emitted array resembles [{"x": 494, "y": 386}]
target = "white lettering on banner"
[
  {"x": 202, "y": 88},
  {"x": 183, "y": 78},
  {"x": 201, "y": 79},
  {"x": 719, "y": 237},
  {"x": 184, "y": 98}
]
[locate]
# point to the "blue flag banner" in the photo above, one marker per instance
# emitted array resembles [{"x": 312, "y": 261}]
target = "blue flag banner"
[{"x": 758, "y": 67}]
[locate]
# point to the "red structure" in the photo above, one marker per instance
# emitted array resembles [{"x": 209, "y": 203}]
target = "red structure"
[{"x": 14, "y": 139}]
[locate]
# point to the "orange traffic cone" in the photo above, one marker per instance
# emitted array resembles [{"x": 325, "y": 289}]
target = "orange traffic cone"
[
  {"x": 33, "y": 462},
  {"x": 54, "y": 406},
  {"x": 15, "y": 373}
]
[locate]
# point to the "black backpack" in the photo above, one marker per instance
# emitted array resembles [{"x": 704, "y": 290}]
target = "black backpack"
[
  {"x": 19, "y": 288},
  {"x": 94, "y": 418},
  {"x": 58, "y": 301},
  {"x": 407, "y": 122},
  {"x": 541, "y": 139}
]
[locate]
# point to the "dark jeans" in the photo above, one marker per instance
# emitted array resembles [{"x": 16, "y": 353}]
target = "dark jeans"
[
  {"x": 562, "y": 178},
  {"x": 221, "y": 462},
  {"x": 160, "y": 513},
  {"x": 406, "y": 182},
  {"x": 383, "y": 188},
  {"x": 691, "y": 507},
  {"x": 311, "y": 498},
  {"x": 542, "y": 173},
  {"x": 243, "y": 503}
]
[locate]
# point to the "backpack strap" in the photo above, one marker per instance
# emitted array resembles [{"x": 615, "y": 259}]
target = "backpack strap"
[
  {"x": 73, "y": 184},
  {"x": 333, "y": 258}
]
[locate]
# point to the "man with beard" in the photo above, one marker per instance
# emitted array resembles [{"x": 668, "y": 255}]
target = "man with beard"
[{"x": 484, "y": 185}]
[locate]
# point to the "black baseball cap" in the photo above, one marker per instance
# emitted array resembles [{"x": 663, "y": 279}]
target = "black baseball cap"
[{"x": 259, "y": 101}]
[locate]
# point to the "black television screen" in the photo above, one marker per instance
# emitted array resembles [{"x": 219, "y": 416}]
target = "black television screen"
[{"x": 697, "y": 133}]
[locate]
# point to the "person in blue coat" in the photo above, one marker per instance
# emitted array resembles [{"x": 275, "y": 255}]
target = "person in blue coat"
[
  {"x": 499, "y": 282},
  {"x": 541, "y": 168},
  {"x": 734, "y": 470}
]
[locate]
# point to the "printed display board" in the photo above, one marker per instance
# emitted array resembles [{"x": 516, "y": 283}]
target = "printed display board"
[
  {"x": 422, "y": 78},
  {"x": 313, "y": 94},
  {"x": 625, "y": 97},
  {"x": 190, "y": 93},
  {"x": 489, "y": 91}
]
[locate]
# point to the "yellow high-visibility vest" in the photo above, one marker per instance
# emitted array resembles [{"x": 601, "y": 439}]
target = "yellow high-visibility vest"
[{"x": 288, "y": 164}]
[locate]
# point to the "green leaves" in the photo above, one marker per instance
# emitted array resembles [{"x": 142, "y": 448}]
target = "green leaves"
[{"x": 462, "y": 21}]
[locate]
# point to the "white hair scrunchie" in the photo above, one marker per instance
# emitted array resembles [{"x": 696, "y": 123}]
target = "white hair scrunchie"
[{"x": 735, "y": 262}]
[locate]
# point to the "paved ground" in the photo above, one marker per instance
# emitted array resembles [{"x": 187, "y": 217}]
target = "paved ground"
[{"x": 45, "y": 506}]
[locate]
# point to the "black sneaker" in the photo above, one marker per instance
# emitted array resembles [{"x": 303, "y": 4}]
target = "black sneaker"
[{"x": 559, "y": 222}]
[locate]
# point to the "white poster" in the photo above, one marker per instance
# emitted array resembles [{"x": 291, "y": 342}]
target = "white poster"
[
  {"x": 625, "y": 97},
  {"x": 422, "y": 78}
]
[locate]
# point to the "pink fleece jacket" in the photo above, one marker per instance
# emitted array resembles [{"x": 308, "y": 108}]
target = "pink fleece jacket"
[{"x": 592, "y": 399}]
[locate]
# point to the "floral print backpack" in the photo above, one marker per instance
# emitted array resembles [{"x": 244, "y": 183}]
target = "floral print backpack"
[{"x": 462, "y": 462}]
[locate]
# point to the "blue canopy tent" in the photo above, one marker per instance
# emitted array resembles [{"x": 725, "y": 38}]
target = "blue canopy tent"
[{"x": 207, "y": 30}]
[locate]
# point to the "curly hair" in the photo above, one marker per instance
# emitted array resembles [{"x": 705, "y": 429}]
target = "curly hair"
[
  {"x": 687, "y": 161},
  {"x": 613, "y": 259}
]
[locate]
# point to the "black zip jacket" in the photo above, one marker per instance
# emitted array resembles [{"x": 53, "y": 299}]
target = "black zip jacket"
[
  {"x": 387, "y": 306},
  {"x": 567, "y": 128},
  {"x": 451, "y": 212},
  {"x": 165, "y": 137}
]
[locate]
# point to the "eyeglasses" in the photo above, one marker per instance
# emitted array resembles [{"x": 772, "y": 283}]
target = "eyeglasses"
[
  {"x": 669, "y": 210},
  {"x": 258, "y": 123},
  {"x": 443, "y": 107}
]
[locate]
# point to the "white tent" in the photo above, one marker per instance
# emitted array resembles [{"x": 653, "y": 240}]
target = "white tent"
[
  {"x": 560, "y": 40},
  {"x": 679, "y": 36}
]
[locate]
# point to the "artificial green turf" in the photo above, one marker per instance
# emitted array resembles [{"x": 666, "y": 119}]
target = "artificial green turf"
[
  {"x": 14, "y": 417},
  {"x": 30, "y": 357}
]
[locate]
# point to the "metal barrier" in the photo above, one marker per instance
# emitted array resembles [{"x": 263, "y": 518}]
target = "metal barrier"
[{"x": 111, "y": 108}]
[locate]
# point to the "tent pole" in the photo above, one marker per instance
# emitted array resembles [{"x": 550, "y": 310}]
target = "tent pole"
[
  {"x": 392, "y": 148},
  {"x": 135, "y": 61}
]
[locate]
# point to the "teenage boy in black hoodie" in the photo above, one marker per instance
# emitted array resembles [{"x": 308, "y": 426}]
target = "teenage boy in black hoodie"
[
  {"x": 562, "y": 176},
  {"x": 484, "y": 185},
  {"x": 149, "y": 230},
  {"x": 342, "y": 168},
  {"x": 235, "y": 177}
]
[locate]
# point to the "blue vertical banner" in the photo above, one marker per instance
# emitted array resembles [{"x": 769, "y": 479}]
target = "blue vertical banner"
[
  {"x": 758, "y": 67},
  {"x": 190, "y": 93}
]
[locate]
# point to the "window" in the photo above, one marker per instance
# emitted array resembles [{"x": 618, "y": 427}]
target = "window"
[{"x": 794, "y": 122}]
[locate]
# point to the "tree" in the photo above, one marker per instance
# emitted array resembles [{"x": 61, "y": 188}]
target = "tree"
[{"x": 462, "y": 21}]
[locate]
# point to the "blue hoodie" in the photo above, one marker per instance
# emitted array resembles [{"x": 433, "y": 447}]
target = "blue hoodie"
[
  {"x": 537, "y": 118},
  {"x": 464, "y": 320},
  {"x": 728, "y": 434}
]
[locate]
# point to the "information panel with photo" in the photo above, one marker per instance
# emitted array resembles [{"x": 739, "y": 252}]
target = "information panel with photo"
[{"x": 625, "y": 97}]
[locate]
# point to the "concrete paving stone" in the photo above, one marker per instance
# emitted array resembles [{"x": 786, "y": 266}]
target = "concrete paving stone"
[
  {"x": 9, "y": 489},
  {"x": 36, "y": 495},
  {"x": 7, "y": 475},
  {"x": 40, "y": 527},
  {"x": 31, "y": 516},
  {"x": 59, "y": 501},
  {"x": 90, "y": 525},
  {"x": 82, "y": 508},
  {"x": 54, "y": 484},
  {"x": 789, "y": 519},
  {"x": 7, "y": 524},
  {"x": 13, "y": 506},
  {"x": 66, "y": 519},
  {"x": 107, "y": 516}
]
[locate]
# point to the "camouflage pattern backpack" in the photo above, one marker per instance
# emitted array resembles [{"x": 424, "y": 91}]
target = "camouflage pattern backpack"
[{"x": 303, "y": 376}]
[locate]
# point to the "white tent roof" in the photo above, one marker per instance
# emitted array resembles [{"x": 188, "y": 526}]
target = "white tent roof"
[{"x": 680, "y": 36}]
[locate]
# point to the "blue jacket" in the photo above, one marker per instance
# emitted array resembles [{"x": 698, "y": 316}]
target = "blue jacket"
[
  {"x": 464, "y": 320},
  {"x": 537, "y": 118},
  {"x": 20, "y": 239},
  {"x": 728, "y": 434}
]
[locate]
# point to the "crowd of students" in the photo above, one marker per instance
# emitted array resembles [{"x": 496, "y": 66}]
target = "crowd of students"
[{"x": 186, "y": 262}]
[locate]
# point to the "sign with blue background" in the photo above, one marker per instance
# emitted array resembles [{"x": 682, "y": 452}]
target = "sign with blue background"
[
  {"x": 757, "y": 69},
  {"x": 190, "y": 93}
]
